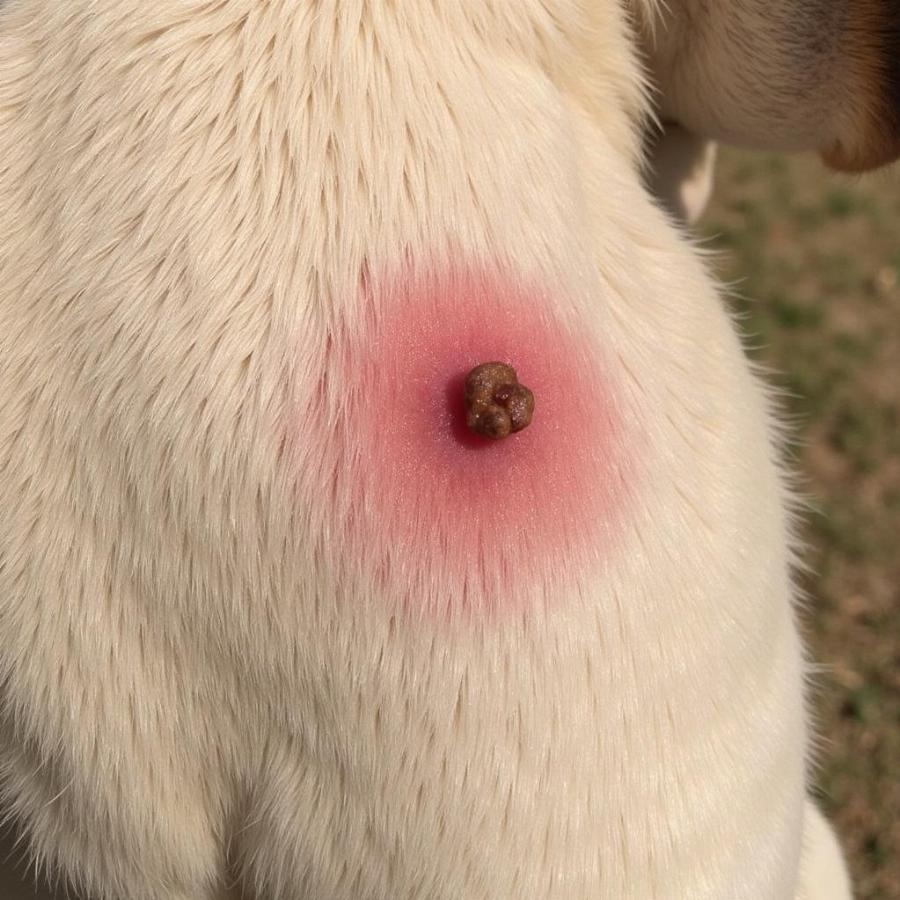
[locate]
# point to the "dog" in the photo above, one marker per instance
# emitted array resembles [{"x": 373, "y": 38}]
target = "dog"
[{"x": 292, "y": 604}]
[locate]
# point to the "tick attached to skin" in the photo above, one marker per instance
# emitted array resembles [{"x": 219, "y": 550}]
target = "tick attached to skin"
[{"x": 496, "y": 404}]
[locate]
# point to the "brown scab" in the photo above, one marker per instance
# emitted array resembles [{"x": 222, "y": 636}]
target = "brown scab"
[{"x": 496, "y": 404}]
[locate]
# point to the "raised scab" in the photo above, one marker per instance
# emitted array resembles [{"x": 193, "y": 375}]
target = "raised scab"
[{"x": 496, "y": 404}]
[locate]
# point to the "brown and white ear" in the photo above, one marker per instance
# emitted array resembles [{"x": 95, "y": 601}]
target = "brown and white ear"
[{"x": 789, "y": 75}]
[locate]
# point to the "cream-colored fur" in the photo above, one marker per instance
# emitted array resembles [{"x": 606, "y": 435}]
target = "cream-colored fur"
[{"x": 190, "y": 191}]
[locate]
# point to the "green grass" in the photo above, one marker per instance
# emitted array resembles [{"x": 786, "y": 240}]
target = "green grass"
[{"x": 815, "y": 260}]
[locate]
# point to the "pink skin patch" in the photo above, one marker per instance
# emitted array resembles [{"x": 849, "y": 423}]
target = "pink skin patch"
[{"x": 451, "y": 522}]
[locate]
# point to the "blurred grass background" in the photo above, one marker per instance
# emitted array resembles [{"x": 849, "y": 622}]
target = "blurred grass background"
[{"x": 814, "y": 261}]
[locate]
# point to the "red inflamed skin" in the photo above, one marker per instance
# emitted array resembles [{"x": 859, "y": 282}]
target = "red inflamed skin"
[{"x": 441, "y": 518}]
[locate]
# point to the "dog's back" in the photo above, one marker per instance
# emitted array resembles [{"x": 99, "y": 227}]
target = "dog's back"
[{"x": 269, "y": 613}]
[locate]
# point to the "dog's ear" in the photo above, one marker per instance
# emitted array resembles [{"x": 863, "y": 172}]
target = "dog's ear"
[{"x": 781, "y": 74}]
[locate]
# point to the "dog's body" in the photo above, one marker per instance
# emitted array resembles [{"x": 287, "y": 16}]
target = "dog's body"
[{"x": 264, "y": 618}]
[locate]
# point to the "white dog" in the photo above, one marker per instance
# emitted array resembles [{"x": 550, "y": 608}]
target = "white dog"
[{"x": 283, "y": 609}]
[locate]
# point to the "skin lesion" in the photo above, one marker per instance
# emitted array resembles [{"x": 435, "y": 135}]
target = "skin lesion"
[
  {"x": 496, "y": 404},
  {"x": 492, "y": 418}
]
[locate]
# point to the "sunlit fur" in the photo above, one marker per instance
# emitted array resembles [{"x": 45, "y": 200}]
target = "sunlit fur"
[{"x": 201, "y": 685}]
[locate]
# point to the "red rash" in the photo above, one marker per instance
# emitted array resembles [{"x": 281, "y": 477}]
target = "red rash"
[{"x": 451, "y": 519}]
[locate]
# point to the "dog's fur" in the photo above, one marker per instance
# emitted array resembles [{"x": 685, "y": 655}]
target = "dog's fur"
[
  {"x": 200, "y": 690},
  {"x": 782, "y": 74}
]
